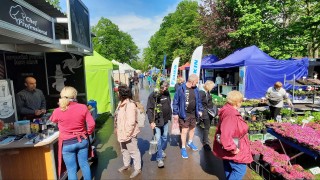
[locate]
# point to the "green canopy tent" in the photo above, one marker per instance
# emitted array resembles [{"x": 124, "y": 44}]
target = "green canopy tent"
[{"x": 99, "y": 82}]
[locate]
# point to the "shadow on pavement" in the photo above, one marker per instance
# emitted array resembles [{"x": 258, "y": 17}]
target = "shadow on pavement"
[{"x": 211, "y": 164}]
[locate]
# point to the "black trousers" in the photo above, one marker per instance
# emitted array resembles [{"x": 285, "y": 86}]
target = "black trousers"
[
  {"x": 274, "y": 112},
  {"x": 207, "y": 123}
]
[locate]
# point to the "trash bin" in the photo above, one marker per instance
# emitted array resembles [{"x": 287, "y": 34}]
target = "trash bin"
[{"x": 93, "y": 104}]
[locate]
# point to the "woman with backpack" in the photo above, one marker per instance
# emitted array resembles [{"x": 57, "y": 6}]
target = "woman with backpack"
[{"x": 126, "y": 130}]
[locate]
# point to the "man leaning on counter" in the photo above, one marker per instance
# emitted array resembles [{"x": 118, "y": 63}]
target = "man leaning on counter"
[{"x": 30, "y": 101}]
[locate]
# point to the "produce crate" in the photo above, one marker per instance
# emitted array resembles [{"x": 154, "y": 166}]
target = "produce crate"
[
  {"x": 268, "y": 136},
  {"x": 254, "y": 137}
]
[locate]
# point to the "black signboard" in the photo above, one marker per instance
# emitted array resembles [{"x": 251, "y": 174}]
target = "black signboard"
[
  {"x": 16, "y": 14},
  {"x": 65, "y": 69},
  {"x": 80, "y": 24},
  {"x": 20, "y": 66}
]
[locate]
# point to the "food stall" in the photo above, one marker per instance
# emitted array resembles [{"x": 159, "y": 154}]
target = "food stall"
[{"x": 38, "y": 40}]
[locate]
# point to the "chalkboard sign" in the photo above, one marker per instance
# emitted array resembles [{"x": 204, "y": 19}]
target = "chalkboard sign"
[{"x": 19, "y": 66}]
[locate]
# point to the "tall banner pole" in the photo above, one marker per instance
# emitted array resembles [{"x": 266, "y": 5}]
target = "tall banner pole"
[
  {"x": 196, "y": 61},
  {"x": 174, "y": 71},
  {"x": 164, "y": 64}
]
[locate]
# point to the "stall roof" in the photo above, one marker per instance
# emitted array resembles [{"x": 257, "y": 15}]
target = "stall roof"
[{"x": 46, "y": 7}]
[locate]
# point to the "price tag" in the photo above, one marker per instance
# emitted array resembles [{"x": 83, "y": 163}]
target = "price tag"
[
  {"x": 305, "y": 121},
  {"x": 315, "y": 170}
]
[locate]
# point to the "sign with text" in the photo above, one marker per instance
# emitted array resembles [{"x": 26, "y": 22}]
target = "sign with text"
[
  {"x": 18, "y": 15},
  {"x": 20, "y": 66},
  {"x": 196, "y": 61},
  {"x": 174, "y": 72}
]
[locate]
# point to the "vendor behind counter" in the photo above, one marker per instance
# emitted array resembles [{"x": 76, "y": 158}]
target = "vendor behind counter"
[{"x": 30, "y": 101}]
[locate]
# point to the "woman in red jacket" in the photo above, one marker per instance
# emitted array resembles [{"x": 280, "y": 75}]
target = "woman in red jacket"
[
  {"x": 231, "y": 140},
  {"x": 75, "y": 124}
]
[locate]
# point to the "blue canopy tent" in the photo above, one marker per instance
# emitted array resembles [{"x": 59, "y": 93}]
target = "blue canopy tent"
[
  {"x": 206, "y": 63},
  {"x": 261, "y": 70}
]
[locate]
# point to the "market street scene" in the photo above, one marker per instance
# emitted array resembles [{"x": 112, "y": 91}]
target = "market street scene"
[{"x": 170, "y": 89}]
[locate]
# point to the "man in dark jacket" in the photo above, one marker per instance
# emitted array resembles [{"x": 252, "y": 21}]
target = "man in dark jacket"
[
  {"x": 187, "y": 107},
  {"x": 159, "y": 113}
]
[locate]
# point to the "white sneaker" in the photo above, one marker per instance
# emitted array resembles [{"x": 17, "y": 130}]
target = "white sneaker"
[{"x": 135, "y": 173}]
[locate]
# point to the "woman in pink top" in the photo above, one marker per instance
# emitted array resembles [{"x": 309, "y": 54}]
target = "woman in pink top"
[
  {"x": 75, "y": 124},
  {"x": 231, "y": 142}
]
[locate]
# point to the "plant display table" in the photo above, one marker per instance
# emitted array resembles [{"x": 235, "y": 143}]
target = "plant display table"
[{"x": 303, "y": 149}]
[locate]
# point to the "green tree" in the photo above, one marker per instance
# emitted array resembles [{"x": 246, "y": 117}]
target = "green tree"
[
  {"x": 112, "y": 43},
  {"x": 55, "y": 3},
  {"x": 178, "y": 35},
  {"x": 282, "y": 28},
  {"x": 140, "y": 64}
]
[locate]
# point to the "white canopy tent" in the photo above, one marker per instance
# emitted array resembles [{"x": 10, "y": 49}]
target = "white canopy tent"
[{"x": 124, "y": 72}]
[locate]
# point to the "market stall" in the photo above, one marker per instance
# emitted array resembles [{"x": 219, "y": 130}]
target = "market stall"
[
  {"x": 38, "y": 40},
  {"x": 258, "y": 71},
  {"x": 99, "y": 82}
]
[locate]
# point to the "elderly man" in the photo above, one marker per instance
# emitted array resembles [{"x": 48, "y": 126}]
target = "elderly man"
[
  {"x": 31, "y": 102},
  {"x": 187, "y": 107}
]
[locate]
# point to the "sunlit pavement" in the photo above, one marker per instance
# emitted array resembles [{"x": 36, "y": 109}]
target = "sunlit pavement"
[{"x": 200, "y": 164}]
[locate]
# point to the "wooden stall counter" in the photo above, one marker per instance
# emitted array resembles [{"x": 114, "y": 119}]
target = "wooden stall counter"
[{"x": 26, "y": 160}]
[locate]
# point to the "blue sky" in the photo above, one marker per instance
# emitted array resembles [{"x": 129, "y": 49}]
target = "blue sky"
[{"x": 140, "y": 18}]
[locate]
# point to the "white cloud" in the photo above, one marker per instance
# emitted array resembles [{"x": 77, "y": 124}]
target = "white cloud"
[{"x": 140, "y": 28}]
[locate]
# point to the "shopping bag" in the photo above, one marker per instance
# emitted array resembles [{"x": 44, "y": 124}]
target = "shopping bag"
[
  {"x": 175, "y": 128},
  {"x": 153, "y": 146}
]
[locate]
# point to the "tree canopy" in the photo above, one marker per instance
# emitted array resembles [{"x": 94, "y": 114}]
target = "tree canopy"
[
  {"x": 55, "y": 3},
  {"x": 178, "y": 35},
  {"x": 282, "y": 28},
  {"x": 112, "y": 43}
]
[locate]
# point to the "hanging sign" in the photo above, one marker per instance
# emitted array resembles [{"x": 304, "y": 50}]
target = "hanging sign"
[{"x": 18, "y": 16}]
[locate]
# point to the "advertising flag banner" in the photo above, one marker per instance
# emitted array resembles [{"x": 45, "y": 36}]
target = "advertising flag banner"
[
  {"x": 164, "y": 64},
  {"x": 174, "y": 72},
  {"x": 196, "y": 61}
]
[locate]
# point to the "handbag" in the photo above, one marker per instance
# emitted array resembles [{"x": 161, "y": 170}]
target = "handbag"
[
  {"x": 153, "y": 146},
  {"x": 211, "y": 111},
  {"x": 175, "y": 128},
  {"x": 235, "y": 140}
]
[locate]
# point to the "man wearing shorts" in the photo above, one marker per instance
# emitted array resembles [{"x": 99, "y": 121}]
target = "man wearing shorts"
[{"x": 187, "y": 108}]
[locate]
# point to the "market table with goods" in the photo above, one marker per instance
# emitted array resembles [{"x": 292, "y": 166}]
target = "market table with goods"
[
  {"x": 285, "y": 148},
  {"x": 29, "y": 149}
]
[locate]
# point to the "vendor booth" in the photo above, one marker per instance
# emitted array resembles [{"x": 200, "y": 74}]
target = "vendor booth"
[
  {"x": 258, "y": 71},
  {"x": 99, "y": 81},
  {"x": 38, "y": 40},
  {"x": 124, "y": 72}
]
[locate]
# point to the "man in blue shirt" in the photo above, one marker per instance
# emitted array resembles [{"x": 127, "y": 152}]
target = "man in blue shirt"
[{"x": 187, "y": 107}]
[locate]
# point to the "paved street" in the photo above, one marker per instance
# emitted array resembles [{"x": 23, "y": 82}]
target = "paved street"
[{"x": 200, "y": 165}]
